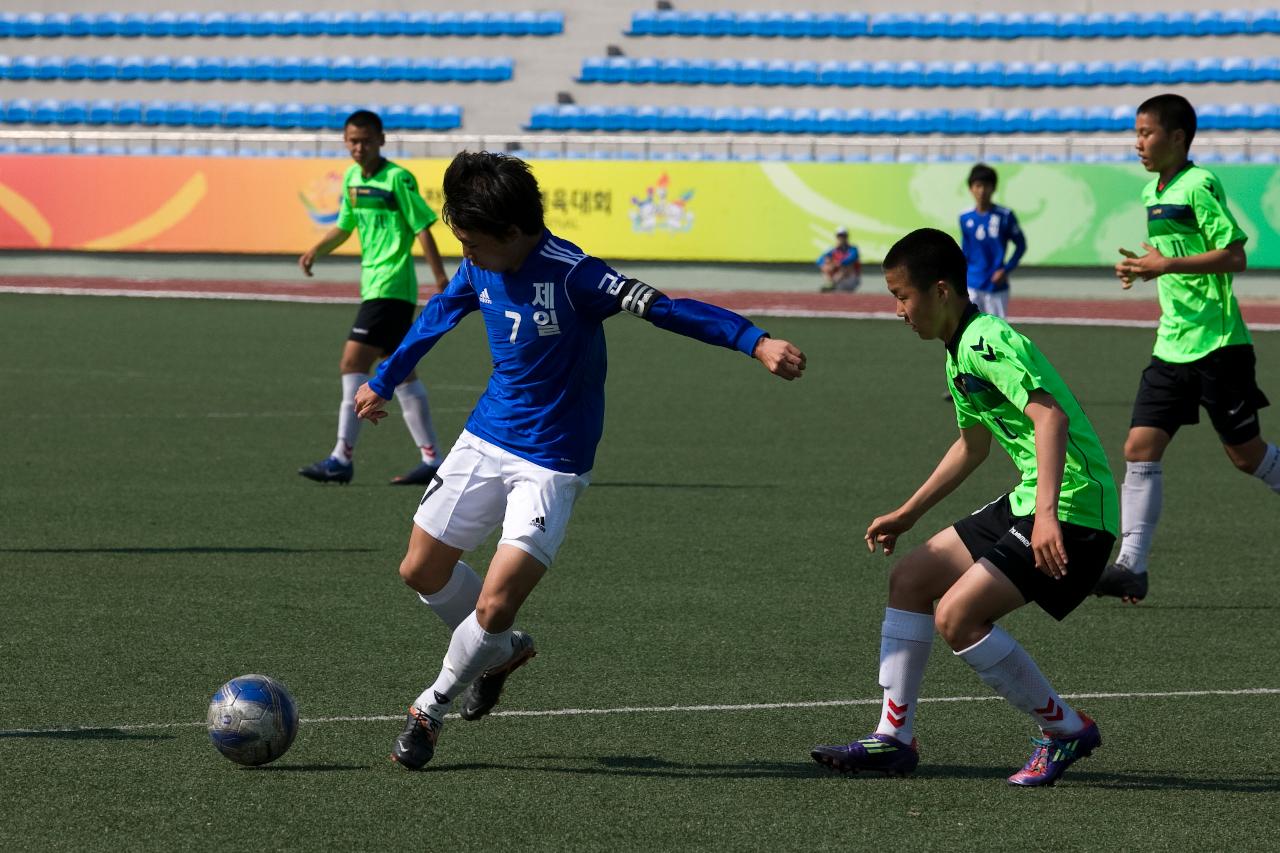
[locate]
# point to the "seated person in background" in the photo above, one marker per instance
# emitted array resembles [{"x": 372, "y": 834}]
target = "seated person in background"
[{"x": 841, "y": 267}]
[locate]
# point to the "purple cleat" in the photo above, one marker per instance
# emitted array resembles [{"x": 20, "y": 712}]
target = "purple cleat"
[
  {"x": 874, "y": 752},
  {"x": 1053, "y": 755}
]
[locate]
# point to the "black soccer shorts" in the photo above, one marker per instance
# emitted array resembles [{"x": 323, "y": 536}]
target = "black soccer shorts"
[
  {"x": 1223, "y": 382},
  {"x": 994, "y": 533},
  {"x": 382, "y": 323}
]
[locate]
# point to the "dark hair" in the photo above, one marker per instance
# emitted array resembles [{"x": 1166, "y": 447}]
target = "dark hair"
[
  {"x": 366, "y": 119},
  {"x": 1172, "y": 112},
  {"x": 490, "y": 193},
  {"x": 982, "y": 174},
  {"x": 930, "y": 255}
]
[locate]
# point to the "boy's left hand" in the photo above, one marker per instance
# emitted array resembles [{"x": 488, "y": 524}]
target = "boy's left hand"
[
  {"x": 1146, "y": 267},
  {"x": 780, "y": 357},
  {"x": 1047, "y": 546}
]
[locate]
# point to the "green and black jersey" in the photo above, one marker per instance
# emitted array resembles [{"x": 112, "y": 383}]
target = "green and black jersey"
[
  {"x": 388, "y": 211},
  {"x": 1198, "y": 313},
  {"x": 992, "y": 369}
]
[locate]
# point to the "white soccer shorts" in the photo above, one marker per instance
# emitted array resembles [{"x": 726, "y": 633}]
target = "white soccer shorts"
[
  {"x": 481, "y": 485},
  {"x": 988, "y": 302}
]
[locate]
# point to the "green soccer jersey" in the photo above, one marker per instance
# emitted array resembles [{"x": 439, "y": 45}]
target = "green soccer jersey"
[
  {"x": 991, "y": 370},
  {"x": 1198, "y": 313},
  {"x": 388, "y": 211}
]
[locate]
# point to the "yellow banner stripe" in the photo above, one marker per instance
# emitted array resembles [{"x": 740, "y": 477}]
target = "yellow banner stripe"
[
  {"x": 26, "y": 215},
  {"x": 166, "y": 216}
]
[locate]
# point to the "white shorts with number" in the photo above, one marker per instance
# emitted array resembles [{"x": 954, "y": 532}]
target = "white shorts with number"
[
  {"x": 995, "y": 303},
  {"x": 481, "y": 485}
]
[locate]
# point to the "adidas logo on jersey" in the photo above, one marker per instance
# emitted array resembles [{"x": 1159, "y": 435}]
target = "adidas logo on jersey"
[{"x": 484, "y": 297}]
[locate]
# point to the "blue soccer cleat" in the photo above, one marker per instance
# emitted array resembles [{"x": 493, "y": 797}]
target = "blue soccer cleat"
[
  {"x": 420, "y": 476},
  {"x": 873, "y": 752},
  {"x": 1053, "y": 755},
  {"x": 329, "y": 470}
]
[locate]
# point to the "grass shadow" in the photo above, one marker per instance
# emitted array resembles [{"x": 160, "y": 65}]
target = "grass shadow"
[
  {"x": 635, "y": 485},
  {"x": 191, "y": 549},
  {"x": 86, "y": 734},
  {"x": 643, "y": 766}
]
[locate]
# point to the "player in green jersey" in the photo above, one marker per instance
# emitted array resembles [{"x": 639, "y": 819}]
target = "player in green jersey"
[
  {"x": 1045, "y": 541},
  {"x": 382, "y": 202},
  {"x": 1203, "y": 353}
]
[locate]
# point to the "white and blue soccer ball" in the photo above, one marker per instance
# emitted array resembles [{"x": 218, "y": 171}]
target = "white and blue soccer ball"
[{"x": 252, "y": 719}]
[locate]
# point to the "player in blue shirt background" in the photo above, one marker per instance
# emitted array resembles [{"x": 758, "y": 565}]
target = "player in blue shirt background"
[
  {"x": 985, "y": 233},
  {"x": 528, "y": 448}
]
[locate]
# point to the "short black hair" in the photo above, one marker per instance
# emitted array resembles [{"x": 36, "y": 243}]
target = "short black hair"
[
  {"x": 489, "y": 192},
  {"x": 930, "y": 255},
  {"x": 982, "y": 174},
  {"x": 1172, "y": 112},
  {"x": 366, "y": 119}
]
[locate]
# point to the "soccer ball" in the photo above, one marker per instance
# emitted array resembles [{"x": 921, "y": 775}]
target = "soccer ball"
[{"x": 252, "y": 720}]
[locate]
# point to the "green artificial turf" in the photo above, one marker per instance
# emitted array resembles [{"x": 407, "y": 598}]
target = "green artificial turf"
[{"x": 157, "y": 541}]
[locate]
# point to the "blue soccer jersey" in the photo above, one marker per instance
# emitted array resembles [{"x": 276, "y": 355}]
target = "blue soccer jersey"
[
  {"x": 545, "y": 399},
  {"x": 985, "y": 238}
]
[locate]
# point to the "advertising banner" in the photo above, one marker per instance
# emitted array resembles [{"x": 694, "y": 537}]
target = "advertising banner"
[{"x": 754, "y": 212}]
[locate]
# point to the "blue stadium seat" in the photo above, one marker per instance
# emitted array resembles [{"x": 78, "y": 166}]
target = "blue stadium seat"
[
  {"x": 989, "y": 25},
  {"x": 448, "y": 117},
  {"x": 961, "y": 25},
  {"x": 666, "y": 23},
  {"x": 804, "y": 72},
  {"x": 1236, "y": 116},
  {"x": 290, "y": 25},
  {"x": 853, "y": 121},
  {"x": 261, "y": 114},
  {"x": 471, "y": 23},
  {"x": 670, "y": 119},
  {"x": 1014, "y": 25},
  {"x": 79, "y": 25},
  {"x": 1237, "y": 69},
  {"x": 341, "y": 24},
  {"x": 1210, "y": 22},
  {"x": 18, "y": 111},
  {"x": 181, "y": 113},
  {"x": 643, "y": 22},
  {"x": 692, "y": 23},
  {"x": 160, "y": 25},
  {"x": 852, "y": 25},
  {"x": 1041, "y": 25},
  {"x": 1208, "y": 70},
  {"x": 72, "y": 112},
  {"x": 1100, "y": 73},
  {"x": 315, "y": 116},
  {"x": 1045, "y": 74},
  {"x": 1097, "y": 119},
  {"x": 617, "y": 69},
  {"x": 76, "y": 67},
  {"x": 1127, "y": 73},
  {"x": 749, "y": 120},
  {"x": 963, "y": 73},
  {"x": 696, "y": 72},
  {"x": 523, "y": 24},
  {"x": 776, "y": 72},
  {"x": 184, "y": 68},
  {"x": 1179, "y": 24},
  {"x": 749, "y": 72},
  {"x": 1126, "y": 25},
  {"x": 880, "y": 73},
  {"x": 48, "y": 68},
  {"x": 127, "y": 112},
  {"x": 55, "y": 25},
  {"x": 236, "y": 114},
  {"x": 1181, "y": 71},
  {"x": 100, "y": 112},
  {"x": 670, "y": 70},
  {"x": 1121, "y": 118},
  {"x": 132, "y": 25},
  {"x": 797, "y": 25},
  {"x": 643, "y": 119},
  {"x": 1264, "y": 117},
  {"x": 1017, "y": 120},
  {"x": 497, "y": 24},
  {"x": 1097, "y": 25},
  {"x": 549, "y": 24},
  {"x": 155, "y": 113},
  {"x": 990, "y": 73},
  {"x": 1264, "y": 68},
  {"x": 1264, "y": 21},
  {"x": 207, "y": 113},
  {"x": 593, "y": 69},
  {"x": 774, "y": 25},
  {"x": 20, "y": 68},
  {"x": 340, "y": 69},
  {"x": 289, "y": 116},
  {"x": 157, "y": 68},
  {"x": 990, "y": 121},
  {"x": 1017, "y": 74},
  {"x": 642, "y": 70}
]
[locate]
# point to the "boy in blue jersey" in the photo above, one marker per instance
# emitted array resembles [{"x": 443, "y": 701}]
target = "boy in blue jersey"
[
  {"x": 527, "y": 451},
  {"x": 985, "y": 233}
]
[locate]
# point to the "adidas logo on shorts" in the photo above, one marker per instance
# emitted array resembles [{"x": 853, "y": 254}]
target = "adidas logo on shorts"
[{"x": 540, "y": 522}]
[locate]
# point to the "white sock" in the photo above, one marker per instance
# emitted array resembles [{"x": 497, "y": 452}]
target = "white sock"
[
  {"x": 348, "y": 423},
  {"x": 417, "y": 417},
  {"x": 456, "y": 600},
  {"x": 1269, "y": 471},
  {"x": 472, "y": 650},
  {"x": 1140, "y": 502},
  {"x": 1006, "y": 668},
  {"x": 905, "y": 641}
]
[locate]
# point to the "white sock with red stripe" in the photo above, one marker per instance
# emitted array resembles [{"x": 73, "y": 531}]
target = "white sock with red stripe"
[
  {"x": 1006, "y": 668},
  {"x": 412, "y": 397},
  {"x": 905, "y": 641},
  {"x": 456, "y": 600},
  {"x": 1269, "y": 471},
  {"x": 472, "y": 650},
  {"x": 348, "y": 423}
]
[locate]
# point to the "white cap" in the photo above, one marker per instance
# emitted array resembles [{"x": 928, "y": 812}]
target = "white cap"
[{"x": 842, "y": 231}]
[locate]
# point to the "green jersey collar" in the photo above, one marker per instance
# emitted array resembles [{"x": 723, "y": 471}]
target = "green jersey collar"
[
  {"x": 965, "y": 319},
  {"x": 1188, "y": 167}
]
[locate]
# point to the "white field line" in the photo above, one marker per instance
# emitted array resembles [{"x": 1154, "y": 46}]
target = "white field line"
[
  {"x": 676, "y": 709},
  {"x": 758, "y": 311}
]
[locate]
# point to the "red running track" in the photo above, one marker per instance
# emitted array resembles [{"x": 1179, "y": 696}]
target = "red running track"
[{"x": 1260, "y": 315}]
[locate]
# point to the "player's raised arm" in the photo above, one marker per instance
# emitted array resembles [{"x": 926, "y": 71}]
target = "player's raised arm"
[
  {"x": 612, "y": 293},
  {"x": 965, "y": 454}
]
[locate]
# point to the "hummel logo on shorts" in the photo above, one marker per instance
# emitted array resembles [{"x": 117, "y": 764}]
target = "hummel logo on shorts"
[{"x": 1014, "y": 532}]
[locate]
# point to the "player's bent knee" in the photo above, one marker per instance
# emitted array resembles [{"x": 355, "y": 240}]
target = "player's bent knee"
[
  {"x": 495, "y": 612},
  {"x": 952, "y": 622}
]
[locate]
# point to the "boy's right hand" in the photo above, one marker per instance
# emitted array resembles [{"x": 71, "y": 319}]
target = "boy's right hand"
[
  {"x": 369, "y": 405},
  {"x": 885, "y": 530},
  {"x": 1126, "y": 279}
]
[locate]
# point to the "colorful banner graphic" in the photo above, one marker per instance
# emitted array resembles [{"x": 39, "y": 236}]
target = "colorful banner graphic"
[{"x": 1073, "y": 214}]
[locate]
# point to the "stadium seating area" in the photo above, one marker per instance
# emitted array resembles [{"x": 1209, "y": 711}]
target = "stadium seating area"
[
  {"x": 818, "y": 71},
  {"x": 955, "y": 25},
  {"x": 273, "y": 24},
  {"x": 215, "y": 114},
  {"x": 280, "y": 69},
  {"x": 910, "y": 74},
  {"x": 572, "y": 117}
]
